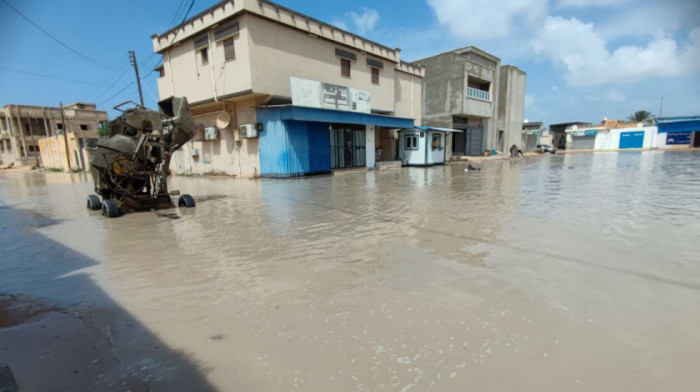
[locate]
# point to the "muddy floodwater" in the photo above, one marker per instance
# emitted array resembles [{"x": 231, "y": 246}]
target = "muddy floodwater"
[{"x": 569, "y": 272}]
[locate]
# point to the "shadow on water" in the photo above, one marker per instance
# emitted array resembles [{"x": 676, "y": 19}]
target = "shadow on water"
[{"x": 84, "y": 340}]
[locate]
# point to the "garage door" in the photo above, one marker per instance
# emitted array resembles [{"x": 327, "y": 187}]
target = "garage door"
[
  {"x": 583, "y": 143},
  {"x": 475, "y": 140},
  {"x": 631, "y": 140}
]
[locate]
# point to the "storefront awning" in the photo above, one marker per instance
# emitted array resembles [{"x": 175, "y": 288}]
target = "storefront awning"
[
  {"x": 439, "y": 129},
  {"x": 300, "y": 113},
  {"x": 679, "y": 126}
]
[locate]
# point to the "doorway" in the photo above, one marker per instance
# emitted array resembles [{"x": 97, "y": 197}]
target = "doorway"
[{"x": 347, "y": 144}]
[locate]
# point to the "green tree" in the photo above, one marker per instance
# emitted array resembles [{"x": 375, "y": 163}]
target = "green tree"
[
  {"x": 640, "y": 116},
  {"x": 105, "y": 130}
]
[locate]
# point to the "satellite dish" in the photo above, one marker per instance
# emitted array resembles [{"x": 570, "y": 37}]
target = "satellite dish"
[{"x": 223, "y": 120}]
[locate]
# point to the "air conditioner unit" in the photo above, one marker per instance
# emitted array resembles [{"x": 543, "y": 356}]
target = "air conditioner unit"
[
  {"x": 248, "y": 131},
  {"x": 211, "y": 133},
  {"x": 194, "y": 152}
]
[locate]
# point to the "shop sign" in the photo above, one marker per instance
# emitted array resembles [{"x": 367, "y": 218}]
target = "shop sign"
[
  {"x": 676, "y": 138},
  {"x": 587, "y": 132},
  {"x": 321, "y": 95}
]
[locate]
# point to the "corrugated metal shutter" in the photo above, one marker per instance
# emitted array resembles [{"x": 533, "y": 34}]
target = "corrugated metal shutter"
[
  {"x": 583, "y": 143},
  {"x": 475, "y": 140}
]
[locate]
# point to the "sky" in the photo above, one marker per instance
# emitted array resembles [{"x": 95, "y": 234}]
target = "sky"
[{"x": 585, "y": 60}]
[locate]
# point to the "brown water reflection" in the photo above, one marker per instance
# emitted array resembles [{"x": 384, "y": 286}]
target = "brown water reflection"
[{"x": 564, "y": 272}]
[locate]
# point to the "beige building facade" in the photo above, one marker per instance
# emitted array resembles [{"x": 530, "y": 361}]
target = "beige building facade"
[
  {"x": 239, "y": 56},
  {"x": 511, "y": 108},
  {"x": 468, "y": 89},
  {"x": 22, "y": 128}
]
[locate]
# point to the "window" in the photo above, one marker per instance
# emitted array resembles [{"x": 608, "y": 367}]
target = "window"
[
  {"x": 31, "y": 148},
  {"x": 345, "y": 67},
  {"x": 229, "y": 49},
  {"x": 436, "y": 141},
  {"x": 375, "y": 75},
  {"x": 83, "y": 127},
  {"x": 411, "y": 142},
  {"x": 59, "y": 126},
  {"x": 204, "y": 54}
]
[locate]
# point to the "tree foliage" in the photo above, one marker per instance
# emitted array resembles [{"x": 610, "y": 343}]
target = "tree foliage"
[
  {"x": 105, "y": 130},
  {"x": 640, "y": 116}
]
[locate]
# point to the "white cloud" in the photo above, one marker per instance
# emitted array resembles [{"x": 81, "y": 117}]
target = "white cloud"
[
  {"x": 487, "y": 19},
  {"x": 582, "y": 54},
  {"x": 589, "y": 3},
  {"x": 339, "y": 24},
  {"x": 366, "y": 21},
  {"x": 611, "y": 96}
]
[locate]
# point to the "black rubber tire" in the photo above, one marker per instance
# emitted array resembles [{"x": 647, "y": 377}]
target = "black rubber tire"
[
  {"x": 110, "y": 209},
  {"x": 185, "y": 201},
  {"x": 93, "y": 202}
]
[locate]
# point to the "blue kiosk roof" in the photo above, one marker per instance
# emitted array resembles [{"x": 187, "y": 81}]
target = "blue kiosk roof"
[
  {"x": 678, "y": 124},
  {"x": 301, "y": 113}
]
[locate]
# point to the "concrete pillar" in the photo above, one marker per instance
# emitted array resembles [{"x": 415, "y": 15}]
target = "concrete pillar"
[
  {"x": 20, "y": 134},
  {"x": 369, "y": 146}
]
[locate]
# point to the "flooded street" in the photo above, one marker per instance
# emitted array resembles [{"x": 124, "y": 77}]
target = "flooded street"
[{"x": 573, "y": 272}]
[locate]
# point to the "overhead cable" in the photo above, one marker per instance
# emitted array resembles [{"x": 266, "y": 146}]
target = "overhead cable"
[{"x": 54, "y": 38}]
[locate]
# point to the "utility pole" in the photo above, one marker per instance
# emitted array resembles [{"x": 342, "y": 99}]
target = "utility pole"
[
  {"x": 661, "y": 106},
  {"x": 132, "y": 55},
  {"x": 65, "y": 137}
]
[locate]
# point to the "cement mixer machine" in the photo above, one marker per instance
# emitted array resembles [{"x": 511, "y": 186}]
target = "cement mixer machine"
[{"x": 130, "y": 167}]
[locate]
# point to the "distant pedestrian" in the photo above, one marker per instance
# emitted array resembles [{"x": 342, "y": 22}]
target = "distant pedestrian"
[{"x": 515, "y": 151}]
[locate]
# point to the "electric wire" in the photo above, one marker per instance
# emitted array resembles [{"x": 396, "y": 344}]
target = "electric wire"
[
  {"x": 153, "y": 69},
  {"x": 181, "y": 23},
  {"x": 112, "y": 85},
  {"x": 54, "y": 38},
  {"x": 116, "y": 94},
  {"x": 51, "y": 76}
]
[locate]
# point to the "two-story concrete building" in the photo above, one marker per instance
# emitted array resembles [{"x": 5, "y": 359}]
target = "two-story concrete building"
[
  {"x": 278, "y": 93},
  {"x": 23, "y": 127},
  {"x": 468, "y": 89},
  {"x": 511, "y": 109}
]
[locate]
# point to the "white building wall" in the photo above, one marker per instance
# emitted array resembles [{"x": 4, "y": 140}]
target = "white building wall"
[
  {"x": 408, "y": 96},
  {"x": 609, "y": 140},
  {"x": 185, "y": 75},
  {"x": 231, "y": 154}
]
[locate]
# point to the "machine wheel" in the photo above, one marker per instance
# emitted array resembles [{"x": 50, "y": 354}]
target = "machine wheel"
[
  {"x": 93, "y": 202},
  {"x": 110, "y": 208},
  {"x": 185, "y": 201}
]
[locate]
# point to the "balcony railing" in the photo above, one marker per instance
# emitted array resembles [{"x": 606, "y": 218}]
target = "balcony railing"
[{"x": 478, "y": 94}]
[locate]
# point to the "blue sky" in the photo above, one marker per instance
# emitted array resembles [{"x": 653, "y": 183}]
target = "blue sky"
[{"x": 585, "y": 59}]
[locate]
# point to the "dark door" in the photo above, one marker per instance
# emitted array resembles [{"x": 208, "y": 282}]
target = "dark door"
[
  {"x": 475, "y": 140},
  {"x": 696, "y": 139},
  {"x": 347, "y": 145},
  {"x": 458, "y": 143}
]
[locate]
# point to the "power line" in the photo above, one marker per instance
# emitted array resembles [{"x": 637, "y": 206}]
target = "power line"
[
  {"x": 177, "y": 12},
  {"x": 180, "y": 25},
  {"x": 54, "y": 38},
  {"x": 51, "y": 76},
  {"x": 109, "y": 77},
  {"x": 125, "y": 87},
  {"x": 112, "y": 86},
  {"x": 117, "y": 93}
]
